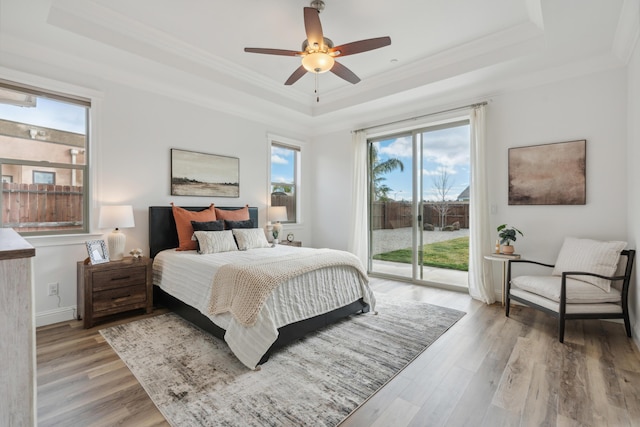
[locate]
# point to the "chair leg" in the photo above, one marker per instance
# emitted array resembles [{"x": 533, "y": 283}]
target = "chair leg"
[
  {"x": 627, "y": 324},
  {"x": 561, "y": 329}
]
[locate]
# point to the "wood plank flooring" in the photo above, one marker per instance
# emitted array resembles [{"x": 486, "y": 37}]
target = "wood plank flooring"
[{"x": 487, "y": 370}]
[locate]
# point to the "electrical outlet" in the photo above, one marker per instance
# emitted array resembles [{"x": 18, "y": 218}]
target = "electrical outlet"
[{"x": 53, "y": 289}]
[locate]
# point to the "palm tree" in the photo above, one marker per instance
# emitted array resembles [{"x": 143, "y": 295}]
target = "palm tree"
[{"x": 378, "y": 170}]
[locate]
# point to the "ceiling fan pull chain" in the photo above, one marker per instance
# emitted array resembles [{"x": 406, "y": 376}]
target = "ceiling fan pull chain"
[{"x": 317, "y": 89}]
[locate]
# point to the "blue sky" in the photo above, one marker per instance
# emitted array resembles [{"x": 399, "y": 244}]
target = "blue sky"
[
  {"x": 282, "y": 165},
  {"x": 48, "y": 113},
  {"x": 444, "y": 150}
]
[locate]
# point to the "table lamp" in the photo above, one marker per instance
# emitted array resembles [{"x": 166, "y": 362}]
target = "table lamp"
[
  {"x": 277, "y": 214},
  {"x": 116, "y": 217}
]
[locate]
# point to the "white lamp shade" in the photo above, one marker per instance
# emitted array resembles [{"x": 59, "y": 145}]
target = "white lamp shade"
[
  {"x": 116, "y": 217},
  {"x": 278, "y": 213}
]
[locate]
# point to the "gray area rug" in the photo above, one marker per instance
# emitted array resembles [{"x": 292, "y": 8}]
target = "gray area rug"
[{"x": 195, "y": 380}]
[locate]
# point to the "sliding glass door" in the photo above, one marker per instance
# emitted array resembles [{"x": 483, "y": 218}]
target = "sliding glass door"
[{"x": 419, "y": 204}]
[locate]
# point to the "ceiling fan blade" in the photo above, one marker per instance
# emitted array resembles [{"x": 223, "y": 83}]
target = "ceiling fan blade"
[
  {"x": 312, "y": 26},
  {"x": 301, "y": 71},
  {"x": 282, "y": 52},
  {"x": 344, "y": 73},
  {"x": 361, "y": 46}
]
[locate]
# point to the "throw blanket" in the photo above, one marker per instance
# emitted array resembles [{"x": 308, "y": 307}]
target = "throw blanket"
[{"x": 242, "y": 289}]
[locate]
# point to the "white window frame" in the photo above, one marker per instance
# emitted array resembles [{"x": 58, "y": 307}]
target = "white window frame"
[
  {"x": 93, "y": 144},
  {"x": 296, "y": 145}
]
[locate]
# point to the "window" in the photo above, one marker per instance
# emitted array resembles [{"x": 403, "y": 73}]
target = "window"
[
  {"x": 41, "y": 177},
  {"x": 285, "y": 172},
  {"x": 43, "y": 152},
  {"x": 419, "y": 203}
]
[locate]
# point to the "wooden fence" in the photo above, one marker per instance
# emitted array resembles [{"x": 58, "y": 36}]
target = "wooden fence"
[
  {"x": 282, "y": 199},
  {"x": 27, "y": 207},
  {"x": 389, "y": 215}
]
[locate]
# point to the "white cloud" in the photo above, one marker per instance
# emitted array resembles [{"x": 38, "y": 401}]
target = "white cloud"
[
  {"x": 279, "y": 160},
  {"x": 281, "y": 179},
  {"x": 450, "y": 170},
  {"x": 400, "y": 147},
  {"x": 448, "y": 147}
]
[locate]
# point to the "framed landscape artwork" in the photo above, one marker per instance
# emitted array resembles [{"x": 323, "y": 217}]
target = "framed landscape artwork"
[
  {"x": 200, "y": 174},
  {"x": 548, "y": 174}
]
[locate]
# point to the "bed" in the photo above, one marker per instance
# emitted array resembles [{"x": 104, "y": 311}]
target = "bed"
[{"x": 183, "y": 280}]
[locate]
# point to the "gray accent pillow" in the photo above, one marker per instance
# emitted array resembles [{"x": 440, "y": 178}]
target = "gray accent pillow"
[
  {"x": 250, "y": 238},
  {"x": 212, "y": 242}
]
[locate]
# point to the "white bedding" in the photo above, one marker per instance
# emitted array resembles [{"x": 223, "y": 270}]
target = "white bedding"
[{"x": 188, "y": 276}]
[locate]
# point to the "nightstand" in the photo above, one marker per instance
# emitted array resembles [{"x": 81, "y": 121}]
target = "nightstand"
[
  {"x": 296, "y": 243},
  {"x": 114, "y": 287}
]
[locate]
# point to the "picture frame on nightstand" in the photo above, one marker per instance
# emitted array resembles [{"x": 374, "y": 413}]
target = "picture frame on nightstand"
[{"x": 98, "y": 252}]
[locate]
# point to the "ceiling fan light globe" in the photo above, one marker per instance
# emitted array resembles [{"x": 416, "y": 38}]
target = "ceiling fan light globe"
[{"x": 317, "y": 62}]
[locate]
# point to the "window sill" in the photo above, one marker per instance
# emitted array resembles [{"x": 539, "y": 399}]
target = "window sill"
[{"x": 61, "y": 239}]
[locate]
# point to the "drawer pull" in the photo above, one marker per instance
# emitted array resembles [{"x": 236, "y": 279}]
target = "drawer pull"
[
  {"x": 121, "y": 278},
  {"x": 120, "y": 297}
]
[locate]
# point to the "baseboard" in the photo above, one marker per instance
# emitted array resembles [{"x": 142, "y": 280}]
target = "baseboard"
[{"x": 57, "y": 315}]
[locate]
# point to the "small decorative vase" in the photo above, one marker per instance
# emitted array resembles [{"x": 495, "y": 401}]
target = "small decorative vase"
[
  {"x": 276, "y": 241},
  {"x": 507, "y": 249}
]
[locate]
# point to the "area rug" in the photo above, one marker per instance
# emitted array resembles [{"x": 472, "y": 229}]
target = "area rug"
[{"x": 195, "y": 380}]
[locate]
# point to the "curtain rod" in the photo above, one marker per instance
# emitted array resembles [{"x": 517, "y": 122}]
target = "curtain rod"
[{"x": 464, "y": 107}]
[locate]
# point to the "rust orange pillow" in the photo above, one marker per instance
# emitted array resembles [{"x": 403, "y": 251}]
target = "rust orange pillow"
[
  {"x": 183, "y": 219},
  {"x": 235, "y": 215}
]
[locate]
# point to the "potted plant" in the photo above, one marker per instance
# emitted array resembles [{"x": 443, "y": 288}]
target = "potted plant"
[{"x": 507, "y": 235}]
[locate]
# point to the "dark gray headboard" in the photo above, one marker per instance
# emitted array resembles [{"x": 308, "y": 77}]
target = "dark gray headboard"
[{"x": 162, "y": 226}]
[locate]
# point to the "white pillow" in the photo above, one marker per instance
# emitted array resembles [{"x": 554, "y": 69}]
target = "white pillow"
[
  {"x": 591, "y": 256},
  {"x": 212, "y": 242},
  {"x": 250, "y": 238}
]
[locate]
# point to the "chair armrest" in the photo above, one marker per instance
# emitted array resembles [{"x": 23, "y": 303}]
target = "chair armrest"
[
  {"x": 585, "y": 273},
  {"x": 531, "y": 262},
  {"x": 508, "y": 284}
]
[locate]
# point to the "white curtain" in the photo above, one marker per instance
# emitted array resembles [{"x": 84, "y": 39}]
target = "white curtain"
[
  {"x": 480, "y": 274},
  {"x": 359, "y": 239}
]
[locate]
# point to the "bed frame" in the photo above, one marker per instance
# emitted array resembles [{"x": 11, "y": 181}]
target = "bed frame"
[{"x": 163, "y": 235}]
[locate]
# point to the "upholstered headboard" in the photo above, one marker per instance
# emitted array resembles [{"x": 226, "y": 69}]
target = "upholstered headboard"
[{"x": 162, "y": 226}]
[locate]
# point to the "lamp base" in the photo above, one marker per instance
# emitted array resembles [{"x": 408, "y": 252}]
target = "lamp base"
[{"x": 116, "y": 241}]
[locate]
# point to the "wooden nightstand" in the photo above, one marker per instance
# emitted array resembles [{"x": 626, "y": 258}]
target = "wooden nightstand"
[
  {"x": 114, "y": 287},
  {"x": 296, "y": 243}
]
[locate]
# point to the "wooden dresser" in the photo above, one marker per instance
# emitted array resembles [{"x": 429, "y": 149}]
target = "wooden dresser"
[
  {"x": 114, "y": 287},
  {"x": 17, "y": 331}
]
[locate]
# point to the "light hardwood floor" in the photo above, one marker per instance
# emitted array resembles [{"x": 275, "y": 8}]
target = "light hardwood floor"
[{"x": 487, "y": 370}]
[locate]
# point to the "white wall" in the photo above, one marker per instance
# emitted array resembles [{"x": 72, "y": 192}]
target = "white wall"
[
  {"x": 135, "y": 132},
  {"x": 332, "y": 184},
  {"x": 592, "y": 107},
  {"x": 633, "y": 180},
  {"x": 138, "y": 128}
]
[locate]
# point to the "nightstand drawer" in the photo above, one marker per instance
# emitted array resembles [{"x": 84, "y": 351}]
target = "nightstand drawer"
[
  {"x": 119, "y": 297},
  {"x": 118, "y": 278},
  {"x": 114, "y": 287}
]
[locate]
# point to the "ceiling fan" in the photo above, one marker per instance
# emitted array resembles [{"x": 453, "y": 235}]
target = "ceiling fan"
[{"x": 318, "y": 52}]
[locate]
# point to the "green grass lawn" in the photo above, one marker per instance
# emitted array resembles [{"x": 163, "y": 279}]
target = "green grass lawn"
[{"x": 452, "y": 254}]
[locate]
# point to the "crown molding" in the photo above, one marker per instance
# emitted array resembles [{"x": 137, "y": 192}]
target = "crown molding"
[
  {"x": 102, "y": 24},
  {"x": 173, "y": 84},
  {"x": 627, "y": 31},
  {"x": 506, "y": 45}
]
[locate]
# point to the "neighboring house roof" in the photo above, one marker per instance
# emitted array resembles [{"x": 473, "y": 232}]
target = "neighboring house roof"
[{"x": 464, "y": 196}]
